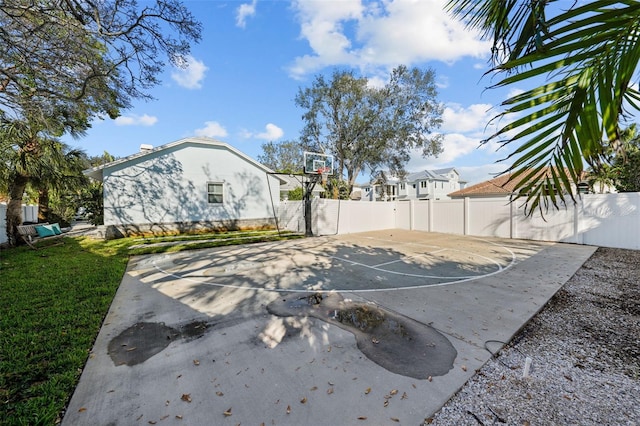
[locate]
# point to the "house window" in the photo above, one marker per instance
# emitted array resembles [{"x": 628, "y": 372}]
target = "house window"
[
  {"x": 423, "y": 184},
  {"x": 402, "y": 186},
  {"x": 215, "y": 193}
]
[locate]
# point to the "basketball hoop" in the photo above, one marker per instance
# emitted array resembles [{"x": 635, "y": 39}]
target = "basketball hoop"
[{"x": 324, "y": 173}]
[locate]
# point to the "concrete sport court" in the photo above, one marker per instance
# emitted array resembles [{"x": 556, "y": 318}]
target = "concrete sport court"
[{"x": 372, "y": 328}]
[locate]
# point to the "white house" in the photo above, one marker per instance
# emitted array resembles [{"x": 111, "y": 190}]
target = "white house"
[
  {"x": 190, "y": 184},
  {"x": 423, "y": 185}
]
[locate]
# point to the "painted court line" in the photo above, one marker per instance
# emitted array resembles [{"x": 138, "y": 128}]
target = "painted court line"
[{"x": 457, "y": 280}]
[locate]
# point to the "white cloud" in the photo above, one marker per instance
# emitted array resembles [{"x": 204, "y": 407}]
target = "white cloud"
[
  {"x": 381, "y": 34},
  {"x": 192, "y": 75},
  {"x": 136, "y": 120},
  {"x": 477, "y": 174},
  {"x": 271, "y": 133},
  {"x": 474, "y": 118},
  {"x": 245, "y": 10},
  {"x": 212, "y": 129},
  {"x": 514, "y": 92}
]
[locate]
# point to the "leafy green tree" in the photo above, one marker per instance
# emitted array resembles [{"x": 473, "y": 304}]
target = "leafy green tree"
[
  {"x": 295, "y": 194},
  {"x": 367, "y": 127},
  {"x": 62, "y": 64},
  {"x": 577, "y": 60},
  {"x": 625, "y": 171},
  {"x": 283, "y": 157}
]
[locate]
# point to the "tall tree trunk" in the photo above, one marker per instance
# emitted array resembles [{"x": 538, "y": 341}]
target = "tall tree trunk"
[
  {"x": 14, "y": 208},
  {"x": 43, "y": 205}
]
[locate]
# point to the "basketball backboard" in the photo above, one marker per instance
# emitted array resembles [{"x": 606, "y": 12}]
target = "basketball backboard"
[{"x": 316, "y": 163}]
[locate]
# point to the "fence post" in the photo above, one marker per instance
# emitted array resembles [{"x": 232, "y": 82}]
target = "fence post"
[
  {"x": 412, "y": 214},
  {"x": 512, "y": 219},
  {"x": 465, "y": 216},
  {"x": 577, "y": 237},
  {"x": 430, "y": 213}
]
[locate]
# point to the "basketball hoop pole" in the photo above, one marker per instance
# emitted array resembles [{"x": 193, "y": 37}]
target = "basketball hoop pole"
[{"x": 309, "y": 185}]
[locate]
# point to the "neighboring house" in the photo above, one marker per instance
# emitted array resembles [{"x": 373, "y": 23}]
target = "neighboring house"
[
  {"x": 504, "y": 186},
  {"x": 291, "y": 182},
  {"x": 423, "y": 185},
  {"x": 190, "y": 184}
]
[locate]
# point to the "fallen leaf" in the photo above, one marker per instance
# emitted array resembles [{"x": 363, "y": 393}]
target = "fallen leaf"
[
  {"x": 186, "y": 397},
  {"x": 362, "y": 418},
  {"x": 386, "y": 403},
  {"x": 393, "y": 392},
  {"x": 164, "y": 417},
  {"x": 228, "y": 412},
  {"x": 288, "y": 409},
  {"x": 429, "y": 378},
  {"x": 329, "y": 391},
  {"x": 179, "y": 417},
  {"x": 219, "y": 393},
  {"x": 152, "y": 422},
  {"x": 395, "y": 419},
  {"x": 367, "y": 391},
  {"x": 375, "y": 341},
  {"x": 166, "y": 403},
  {"x": 329, "y": 348},
  {"x": 131, "y": 349},
  {"x": 330, "y": 383},
  {"x": 414, "y": 385},
  {"x": 464, "y": 368},
  {"x": 303, "y": 400},
  {"x": 82, "y": 410},
  {"x": 404, "y": 395},
  {"x": 196, "y": 362},
  {"x": 314, "y": 388}
]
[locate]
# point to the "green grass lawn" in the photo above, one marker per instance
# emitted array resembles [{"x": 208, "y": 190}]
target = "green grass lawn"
[{"x": 52, "y": 303}]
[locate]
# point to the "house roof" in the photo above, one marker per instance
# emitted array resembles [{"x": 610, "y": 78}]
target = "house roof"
[
  {"x": 439, "y": 174},
  {"x": 290, "y": 182},
  {"x": 496, "y": 187},
  {"x": 97, "y": 172},
  {"x": 502, "y": 185}
]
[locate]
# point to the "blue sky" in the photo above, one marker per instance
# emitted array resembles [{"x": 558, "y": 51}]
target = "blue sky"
[{"x": 255, "y": 55}]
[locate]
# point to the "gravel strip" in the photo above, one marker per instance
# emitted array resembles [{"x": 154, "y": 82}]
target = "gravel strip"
[{"x": 584, "y": 348}]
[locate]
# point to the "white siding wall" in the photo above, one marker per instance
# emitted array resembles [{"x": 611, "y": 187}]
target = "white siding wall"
[{"x": 171, "y": 186}]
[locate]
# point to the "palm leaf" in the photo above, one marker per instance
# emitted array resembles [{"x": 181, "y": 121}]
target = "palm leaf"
[{"x": 587, "y": 55}]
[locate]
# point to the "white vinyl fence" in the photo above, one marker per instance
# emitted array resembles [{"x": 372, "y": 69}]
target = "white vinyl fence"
[
  {"x": 608, "y": 220},
  {"x": 29, "y": 214}
]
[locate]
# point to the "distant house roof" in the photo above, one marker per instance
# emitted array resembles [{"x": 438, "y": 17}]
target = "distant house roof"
[
  {"x": 500, "y": 186},
  {"x": 439, "y": 175},
  {"x": 290, "y": 182},
  {"x": 503, "y": 185},
  {"x": 146, "y": 150}
]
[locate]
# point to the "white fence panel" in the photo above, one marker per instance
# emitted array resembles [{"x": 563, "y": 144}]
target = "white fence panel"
[
  {"x": 362, "y": 216},
  {"x": 291, "y": 216},
  {"x": 448, "y": 216},
  {"x": 404, "y": 214},
  {"x": 610, "y": 220},
  {"x": 555, "y": 225},
  {"x": 325, "y": 216},
  {"x": 421, "y": 215},
  {"x": 29, "y": 214},
  {"x": 489, "y": 217}
]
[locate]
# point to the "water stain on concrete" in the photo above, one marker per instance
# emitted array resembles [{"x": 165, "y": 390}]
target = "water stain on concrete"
[
  {"x": 143, "y": 340},
  {"x": 393, "y": 341}
]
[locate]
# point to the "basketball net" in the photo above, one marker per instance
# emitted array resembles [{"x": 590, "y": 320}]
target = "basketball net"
[{"x": 324, "y": 174}]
